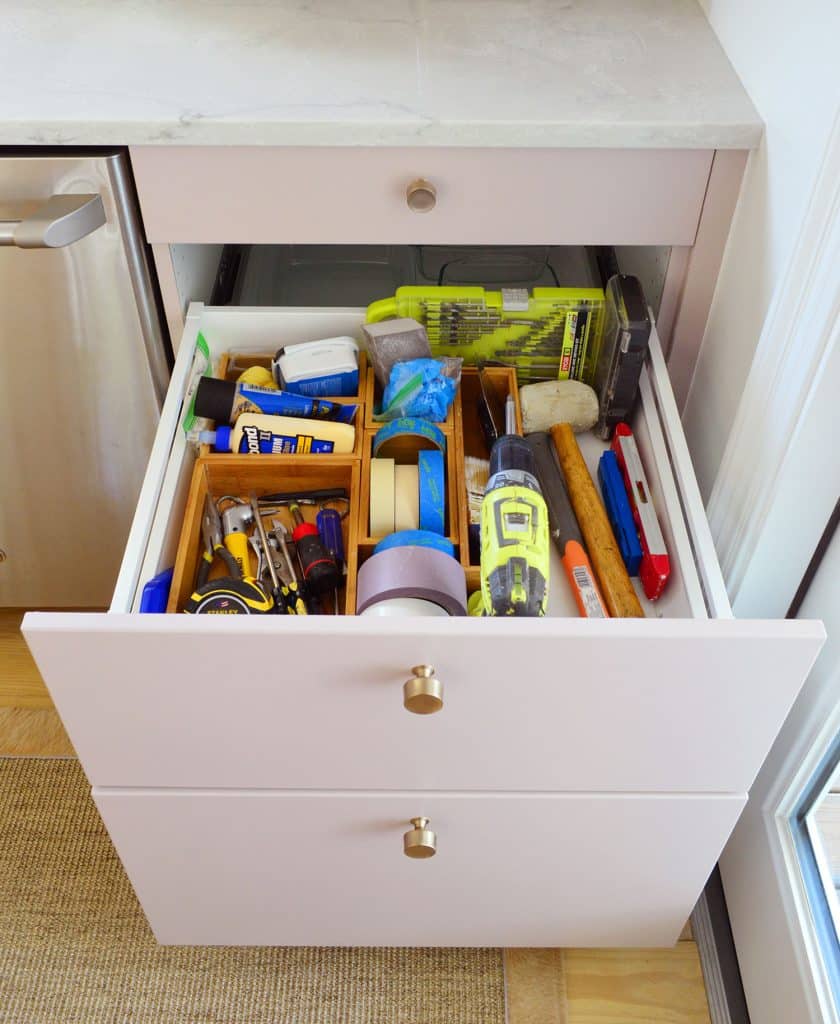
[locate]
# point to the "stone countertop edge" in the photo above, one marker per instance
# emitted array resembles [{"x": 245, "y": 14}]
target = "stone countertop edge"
[{"x": 518, "y": 135}]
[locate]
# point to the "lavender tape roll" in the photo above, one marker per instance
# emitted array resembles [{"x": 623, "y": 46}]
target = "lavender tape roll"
[{"x": 412, "y": 572}]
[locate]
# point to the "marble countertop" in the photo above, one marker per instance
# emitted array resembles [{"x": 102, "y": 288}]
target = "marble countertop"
[{"x": 601, "y": 73}]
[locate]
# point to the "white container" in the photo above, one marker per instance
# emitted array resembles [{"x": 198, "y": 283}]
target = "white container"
[{"x": 319, "y": 368}]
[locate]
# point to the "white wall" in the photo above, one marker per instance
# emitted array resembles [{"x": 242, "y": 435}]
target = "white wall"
[{"x": 787, "y": 57}]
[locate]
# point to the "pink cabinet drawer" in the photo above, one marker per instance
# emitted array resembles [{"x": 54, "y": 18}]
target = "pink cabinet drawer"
[
  {"x": 328, "y": 869},
  {"x": 358, "y": 195}
]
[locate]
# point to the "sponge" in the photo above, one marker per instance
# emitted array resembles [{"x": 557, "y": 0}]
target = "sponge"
[{"x": 395, "y": 341}]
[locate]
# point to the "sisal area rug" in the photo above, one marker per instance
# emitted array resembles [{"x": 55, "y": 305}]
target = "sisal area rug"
[{"x": 76, "y": 949}]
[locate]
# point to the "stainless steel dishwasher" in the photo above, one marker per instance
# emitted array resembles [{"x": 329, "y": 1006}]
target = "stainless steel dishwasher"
[{"x": 84, "y": 364}]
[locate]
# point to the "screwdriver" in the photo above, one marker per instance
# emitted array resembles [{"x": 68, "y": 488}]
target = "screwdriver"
[
  {"x": 320, "y": 573},
  {"x": 328, "y": 522}
]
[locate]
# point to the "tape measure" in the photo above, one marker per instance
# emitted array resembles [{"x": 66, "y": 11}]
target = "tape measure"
[{"x": 227, "y": 596}]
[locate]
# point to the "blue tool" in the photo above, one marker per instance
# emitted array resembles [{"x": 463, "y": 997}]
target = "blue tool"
[
  {"x": 619, "y": 511},
  {"x": 328, "y": 522},
  {"x": 156, "y": 592}
]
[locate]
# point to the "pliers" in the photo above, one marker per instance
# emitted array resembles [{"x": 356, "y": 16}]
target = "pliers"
[{"x": 211, "y": 531}]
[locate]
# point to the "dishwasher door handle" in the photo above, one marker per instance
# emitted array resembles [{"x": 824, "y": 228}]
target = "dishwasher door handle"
[{"x": 60, "y": 221}]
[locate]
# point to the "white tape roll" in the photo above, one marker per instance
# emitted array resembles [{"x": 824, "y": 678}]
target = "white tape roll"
[
  {"x": 381, "y": 497},
  {"x": 403, "y": 606},
  {"x": 406, "y": 498}
]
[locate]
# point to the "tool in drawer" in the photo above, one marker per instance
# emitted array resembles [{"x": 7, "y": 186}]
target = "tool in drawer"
[
  {"x": 655, "y": 566},
  {"x": 320, "y": 572},
  {"x": 304, "y": 497},
  {"x": 621, "y": 355},
  {"x": 212, "y": 532},
  {"x": 292, "y": 594},
  {"x": 619, "y": 511},
  {"x": 267, "y": 554},
  {"x": 548, "y": 333},
  {"x": 227, "y": 595},
  {"x": 328, "y": 522},
  {"x": 237, "y": 519},
  {"x": 565, "y": 531},
  {"x": 514, "y": 533},
  {"x": 616, "y": 588}
]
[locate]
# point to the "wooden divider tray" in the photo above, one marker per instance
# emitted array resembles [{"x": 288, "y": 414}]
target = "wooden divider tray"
[
  {"x": 266, "y": 474},
  {"x": 233, "y": 364},
  {"x": 224, "y": 474}
]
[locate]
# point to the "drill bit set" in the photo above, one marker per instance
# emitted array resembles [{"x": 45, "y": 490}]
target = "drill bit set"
[{"x": 546, "y": 334}]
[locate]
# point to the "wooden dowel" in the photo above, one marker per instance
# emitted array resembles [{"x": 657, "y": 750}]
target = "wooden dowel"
[{"x": 606, "y": 559}]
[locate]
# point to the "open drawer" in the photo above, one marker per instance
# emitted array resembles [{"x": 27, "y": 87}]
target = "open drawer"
[{"x": 687, "y": 700}]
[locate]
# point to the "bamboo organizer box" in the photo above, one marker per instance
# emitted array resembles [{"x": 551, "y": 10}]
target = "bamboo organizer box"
[{"x": 233, "y": 474}]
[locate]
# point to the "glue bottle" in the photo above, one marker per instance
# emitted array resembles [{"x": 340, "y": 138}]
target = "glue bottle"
[{"x": 260, "y": 434}]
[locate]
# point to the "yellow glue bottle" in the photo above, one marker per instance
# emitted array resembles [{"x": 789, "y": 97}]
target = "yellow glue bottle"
[{"x": 260, "y": 434}]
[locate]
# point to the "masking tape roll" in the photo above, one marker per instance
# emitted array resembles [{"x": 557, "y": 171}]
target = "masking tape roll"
[
  {"x": 381, "y": 497},
  {"x": 432, "y": 484},
  {"x": 421, "y": 573},
  {"x": 423, "y": 433},
  {"x": 406, "y": 498},
  {"x": 416, "y": 539}
]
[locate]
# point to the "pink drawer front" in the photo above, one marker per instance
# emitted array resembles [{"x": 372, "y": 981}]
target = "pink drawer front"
[
  {"x": 358, "y": 195},
  {"x": 328, "y": 869}
]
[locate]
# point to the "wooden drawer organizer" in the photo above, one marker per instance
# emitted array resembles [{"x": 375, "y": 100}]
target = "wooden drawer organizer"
[
  {"x": 265, "y": 474},
  {"x": 236, "y": 474},
  {"x": 232, "y": 364}
]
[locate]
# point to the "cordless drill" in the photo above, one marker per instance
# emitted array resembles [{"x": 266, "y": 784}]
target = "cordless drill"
[{"x": 514, "y": 533}]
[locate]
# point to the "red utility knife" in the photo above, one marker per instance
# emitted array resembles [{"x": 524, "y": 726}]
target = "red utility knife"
[{"x": 655, "y": 567}]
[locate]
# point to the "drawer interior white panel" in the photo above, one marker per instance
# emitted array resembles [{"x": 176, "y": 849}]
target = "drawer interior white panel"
[
  {"x": 689, "y": 703},
  {"x": 262, "y": 194},
  {"x": 328, "y": 869}
]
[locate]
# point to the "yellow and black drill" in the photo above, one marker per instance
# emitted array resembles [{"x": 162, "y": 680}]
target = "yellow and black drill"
[{"x": 515, "y": 541}]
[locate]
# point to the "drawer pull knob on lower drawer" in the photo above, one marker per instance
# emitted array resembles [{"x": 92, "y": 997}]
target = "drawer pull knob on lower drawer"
[
  {"x": 421, "y": 841},
  {"x": 423, "y": 693},
  {"x": 421, "y": 196}
]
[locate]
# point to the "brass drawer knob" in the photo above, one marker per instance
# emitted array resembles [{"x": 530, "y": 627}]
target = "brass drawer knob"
[
  {"x": 423, "y": 693},
  {"x": 420, "y": 842},
  {"x": 421, "y": 196}
]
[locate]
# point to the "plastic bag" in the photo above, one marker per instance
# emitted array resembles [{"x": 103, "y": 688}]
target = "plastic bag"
[{"x": 423, "y": 388}]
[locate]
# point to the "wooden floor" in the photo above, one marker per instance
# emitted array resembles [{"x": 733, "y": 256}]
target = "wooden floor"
[
  {"x": 605, "y": 986},
  {"x": 544, "y": 986},
  {"x": 29, "y": 724}
]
